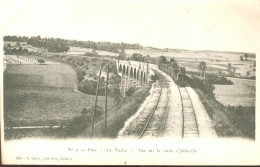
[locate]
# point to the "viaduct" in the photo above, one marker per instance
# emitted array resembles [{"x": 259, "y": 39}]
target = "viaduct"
[
  {"x": 136, "y": 74},
  {"x": 133, "y": 74}
]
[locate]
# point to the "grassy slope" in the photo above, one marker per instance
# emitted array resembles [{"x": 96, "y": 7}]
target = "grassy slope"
[
  {"x": 39, "y": 102},
  {"x": 120, "y": 110},
  {"x": 80, "y": 126},
  {"x": 59, "y": 76},
  {"x": 30, "y": 106},
  {"x": 119, "y": 114},
  {"x": 227, "y": 123},
  {"x": 42, "y": 95}
]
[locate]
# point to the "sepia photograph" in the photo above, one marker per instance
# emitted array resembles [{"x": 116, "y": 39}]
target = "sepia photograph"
[{"x": 125, "y": 82}]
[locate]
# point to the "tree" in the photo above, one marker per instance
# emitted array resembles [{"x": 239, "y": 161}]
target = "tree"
[
  {"x": 148, "y": 58},
  {"x": 241, "y": 58},
  {"x": 229, "y": 66},
  {"x": 122, "y": 55},
  {"x": 41, "y": 61},
  {"x": 137, "y": 57},
  {"x": 6, "y": 51},
  {"x": 154, "y": 77},
  {"x": 239, "y": 110},
  {"x": 14, "y": 50},
  {"x": 47, "y": 43},
  {"x": 162, "y": 60},
  {"x": 38, "y": 37},
  {"x": 246, "y": 56},
  {"x": 20, "y": 49},
  {"x": 51, "y": 44},
  {"x": 173, "y": 62},
  {"x": 202, "y": 68},
  {"x": 202, "y": 65}
]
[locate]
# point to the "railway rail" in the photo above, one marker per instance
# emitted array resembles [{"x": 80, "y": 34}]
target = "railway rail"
[
  {"x": 190, "y": 124},
  {"x": 155, "y": 125},
  {"x": 160, "y": 118}
]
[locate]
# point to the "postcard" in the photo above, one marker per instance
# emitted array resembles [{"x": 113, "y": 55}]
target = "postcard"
[{"x": 129, "y": 82}]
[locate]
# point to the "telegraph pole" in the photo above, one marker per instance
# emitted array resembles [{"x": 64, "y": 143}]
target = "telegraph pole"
[
  {"x": 204, "y": 71},
  {"x": 106, "y": 100},
  {"x": 95, "y": 107},
  {"x": 147, "y": 69}
]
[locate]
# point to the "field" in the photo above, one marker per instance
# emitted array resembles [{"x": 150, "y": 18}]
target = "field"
[
  {"x": 216, "y": 61},
  {"x": 47, "y": 94},
  {"x": 42, "y": 95},
  {"x": 24, "y": 46},
  {"x": 37, "y": 106},
  {"x": 81, "y": 51},
  {"x": 60, "y": 76},
  {"x": 241, "y": 93},
  {"x": 119, "y": 114}
]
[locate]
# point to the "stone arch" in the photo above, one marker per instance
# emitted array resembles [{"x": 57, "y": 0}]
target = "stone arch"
[
  {"x": 124, "y": 69},
  {"x": 131, "y": 72},
  {"x": 120, "y": 68},
  {"x": 135, "y": 76},
  {"x": 127, "y": 69},
  {"x": 141, "y": 77},
  {"x": 144, "y": 77}
]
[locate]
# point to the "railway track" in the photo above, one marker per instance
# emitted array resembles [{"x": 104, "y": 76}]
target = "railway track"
[
  {"x": 190, "y": 125},
  {"x": 154, "y": 127},
  {"x": 159, "y": 118}
]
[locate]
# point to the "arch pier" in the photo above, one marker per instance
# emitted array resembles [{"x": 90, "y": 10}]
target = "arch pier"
[{"x": 133, "y": 74}]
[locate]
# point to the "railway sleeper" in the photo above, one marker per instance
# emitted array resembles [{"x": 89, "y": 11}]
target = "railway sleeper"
[
  {"x": 190, "y": 135},
  {"x": 191, "y": 132},
  {"x": 190, "y": 124},
  {"x": 189, "y": 120}
]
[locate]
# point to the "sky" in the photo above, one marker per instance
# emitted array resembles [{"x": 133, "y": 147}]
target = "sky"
[{"x": 227, "y": 25}]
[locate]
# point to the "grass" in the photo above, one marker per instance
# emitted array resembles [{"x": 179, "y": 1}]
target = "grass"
[
  {"x": 65, "y": 106},
  {"x": 195, "y": 65},
  {"x": 243, "y": 91},
  {"x": 42, "y": 95},
  {"x": 59, "y": 76},
  {"x": 117, "y": 115},
  {"x": 44, "y": 106},
  {"x": 80, "y": 124},
  {"x": 227, "y": 123},
  {"x": 219, "y": 115},
  {"x": 90, "y": 65},
  {"x": 244, "y": 119},
  {"x": 119, "y": 111},
  {"x": 191, "y": 59}
]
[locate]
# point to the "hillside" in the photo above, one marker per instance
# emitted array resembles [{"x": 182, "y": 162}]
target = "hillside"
[
  {"x": 42, "y": 95},
  {"x": 59, "y": 76}
]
